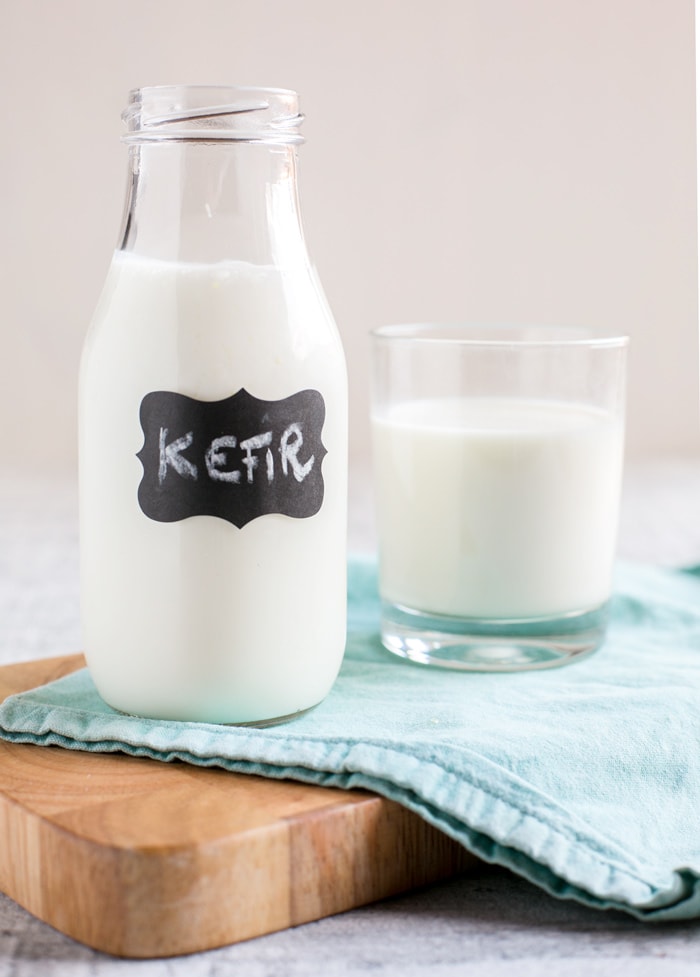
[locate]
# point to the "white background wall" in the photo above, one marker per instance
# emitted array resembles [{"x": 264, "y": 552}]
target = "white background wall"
[{"x": 493, "y": 160}]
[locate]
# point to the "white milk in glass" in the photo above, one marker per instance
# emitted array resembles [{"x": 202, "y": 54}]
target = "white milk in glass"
[
  {"x": 197, "y": 618},
  {"x": 496, "y": 508}
]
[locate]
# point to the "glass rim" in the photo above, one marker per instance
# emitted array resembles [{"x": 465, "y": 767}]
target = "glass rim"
[{"x": 498, "y": 336}]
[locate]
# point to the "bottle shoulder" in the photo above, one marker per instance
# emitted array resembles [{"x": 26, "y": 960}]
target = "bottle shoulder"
[
  {"x": 213, "y": 328},
  {"x": 193, "y": 291}
]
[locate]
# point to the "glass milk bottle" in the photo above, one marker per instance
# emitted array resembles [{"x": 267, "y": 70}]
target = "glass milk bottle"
[{"x": 213, "y": 426}]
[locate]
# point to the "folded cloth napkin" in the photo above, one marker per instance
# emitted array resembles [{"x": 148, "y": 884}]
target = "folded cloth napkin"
[{"x": 585, "y": 779}]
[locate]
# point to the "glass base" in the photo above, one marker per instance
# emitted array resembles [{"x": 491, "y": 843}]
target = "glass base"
[
  {"x": 491, "y": 645},
  {"x": 277, "y": 721}
]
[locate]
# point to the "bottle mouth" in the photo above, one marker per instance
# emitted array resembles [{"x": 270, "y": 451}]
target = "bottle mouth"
[{"x": 222, "y": 112}]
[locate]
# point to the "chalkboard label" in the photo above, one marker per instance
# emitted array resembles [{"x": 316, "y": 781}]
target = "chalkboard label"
[{"x": 237, "y": 459}]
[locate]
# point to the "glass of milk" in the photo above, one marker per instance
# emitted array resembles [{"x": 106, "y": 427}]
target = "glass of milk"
[{"x": 497, "y": 456}]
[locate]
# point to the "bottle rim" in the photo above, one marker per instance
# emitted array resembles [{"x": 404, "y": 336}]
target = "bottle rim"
[{"x": 165, "y": 113}]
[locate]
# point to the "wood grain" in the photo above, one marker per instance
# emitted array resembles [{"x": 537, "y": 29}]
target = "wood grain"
[{"x": 145, "y": 859}]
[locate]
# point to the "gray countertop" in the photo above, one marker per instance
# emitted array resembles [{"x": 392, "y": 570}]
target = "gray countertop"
[{"x": 488, "y": 922}]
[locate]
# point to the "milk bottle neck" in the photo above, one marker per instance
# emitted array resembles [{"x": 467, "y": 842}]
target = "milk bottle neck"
[{"x": 199, "y": 201}]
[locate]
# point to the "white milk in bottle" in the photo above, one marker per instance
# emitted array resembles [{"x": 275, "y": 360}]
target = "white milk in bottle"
[{"x": 213, "y": 427}]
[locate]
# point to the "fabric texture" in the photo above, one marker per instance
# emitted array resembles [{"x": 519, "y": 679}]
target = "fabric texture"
[{"x": 583, "y": 779}]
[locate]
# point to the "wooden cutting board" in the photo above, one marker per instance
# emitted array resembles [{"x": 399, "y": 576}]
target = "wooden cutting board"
[{"x": 146, "y": 859}]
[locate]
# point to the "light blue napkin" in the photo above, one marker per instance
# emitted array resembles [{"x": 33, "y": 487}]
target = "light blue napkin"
[{"x": 585, "y": 779}]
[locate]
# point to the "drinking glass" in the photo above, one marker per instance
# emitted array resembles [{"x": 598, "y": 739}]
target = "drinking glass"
[{"x": 497, "y": 455}]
